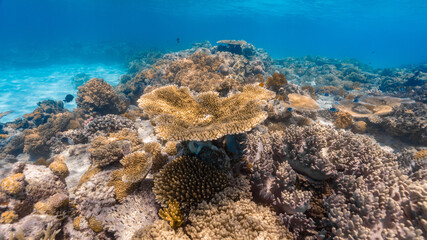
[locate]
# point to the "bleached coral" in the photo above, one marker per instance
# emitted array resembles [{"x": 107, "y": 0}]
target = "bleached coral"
[
  {"x": 136, "y": 211},
  {"x": 181, "y": 116}
]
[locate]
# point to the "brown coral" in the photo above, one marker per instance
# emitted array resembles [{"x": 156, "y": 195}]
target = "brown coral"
[
  {"x": 121, "y": 189},
  {"x": 343, "y": 120},
  {"x": 59, "y": 168},
  {"x": 13, "y": 184},
  {"x": 135, "y": 167},
  {"x": 188, "y": 181},
  {"x": 170, "y": 148},
  {"x": 8, "y": 217},
  {"x": 52, "y": 204},
  {"x": 172, "y": 214},
  {"x": 276, "y": 81},
  {"x": 99, "y": 97},
  {"x": 106, "y": 150},
  {"x": 95, "y": 225},
  {"x": 181, "y": 116},
  {"x": 359, "y": 127}
]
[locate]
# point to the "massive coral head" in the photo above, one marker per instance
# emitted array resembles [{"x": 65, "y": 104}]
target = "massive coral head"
[{"x": 181, "y": 116}]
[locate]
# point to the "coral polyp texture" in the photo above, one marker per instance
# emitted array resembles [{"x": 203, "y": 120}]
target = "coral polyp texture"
[
  {"x": 99, "y": 97},
  {"x": 188, "y": 181},
  {"x": 180, "y": 116},
  {"x": 136, "y": 166}
]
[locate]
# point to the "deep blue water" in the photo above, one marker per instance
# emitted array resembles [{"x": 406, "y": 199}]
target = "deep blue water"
[{"x": 382, "y": 33}]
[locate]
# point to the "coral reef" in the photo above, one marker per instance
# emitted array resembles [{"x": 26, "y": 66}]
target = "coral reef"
[
  {"x": 343, "y": 120},
  {"x": 188, "y": 181},
  {"x": 97, "y": 97},
  {"x": 172, "y": 214},
  {"x": 276, "y": 81},
  {"x": 181, "y": 116},
  {"x": 135, "y": 167}
]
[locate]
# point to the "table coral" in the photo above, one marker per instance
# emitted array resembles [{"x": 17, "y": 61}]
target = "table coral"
[
  {"x": 302, "y": 103},
  {"x": 181, "y": 116},
  {"x": 188, "y": 181},
  {"x": 99, "y": 97}
]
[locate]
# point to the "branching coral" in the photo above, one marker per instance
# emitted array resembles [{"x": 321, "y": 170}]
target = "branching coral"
[
  {"x": 188, "y": 181},
  {"x": 99, "y": 97},
  {"x": 136, "y": 166},
  {"x": 172, "y": 214},
  {"x": 181, "y": 116},
  {"x": 276, "y": 81}
]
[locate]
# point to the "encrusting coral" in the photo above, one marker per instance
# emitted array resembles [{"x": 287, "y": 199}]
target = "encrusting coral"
[
  {"x": 181, "y": 116},
  {"x": 99, "y": 97},
  {"x": 13, "y": 184},
  {"x": 188, "y": 181},
  {"x": 106, "y": 150},
  {"x": 8, "y": 217}
]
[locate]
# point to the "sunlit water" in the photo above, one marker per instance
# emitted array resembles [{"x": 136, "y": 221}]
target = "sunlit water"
[{"x": 21, "y": 89}]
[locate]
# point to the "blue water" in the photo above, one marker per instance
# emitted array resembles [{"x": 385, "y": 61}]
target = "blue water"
[
  {"x": 36, "y": 34},
  {"x": 383, "y": 33}
]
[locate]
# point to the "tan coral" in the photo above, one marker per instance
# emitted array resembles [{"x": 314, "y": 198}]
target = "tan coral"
[
  {"x": 95, "y": 225},
  {"x": 158, "y": 158},
  {"x": 302, "y": 103},
  {"x": 52, "y": 204},
  {"x": 170, "y": 147},
  {"x": 97, "y": 96},
  {"x": 359, "y": 127},
  {"x": 160, "y": 229},
  {"x": 8, "y": 217},
  {"x": 121, "y": 189},
  {"x": 343, "y": 120},
  {"x": 59, "y": 168},
  {"x": 420, "y": 154},
  {"x": 13, "y": 184},
  {"x": 181, "y": 116},
  {"x": 135, "y": 167},
  {"x": 276, "y": 81},
  {"x": 88, "y": 174}
]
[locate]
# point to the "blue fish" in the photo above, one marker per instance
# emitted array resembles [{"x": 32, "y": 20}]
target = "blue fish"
[
  {"x": 217, "y": 71},
  {"x": 326, "y": 94},
  {"x": 289, "y": 109},
  {"x": 332, "y": 109},
  {"x": 402, "y": 89},
  {"x": 356, "y": 100},
  {"x": 337, "y": 103}
]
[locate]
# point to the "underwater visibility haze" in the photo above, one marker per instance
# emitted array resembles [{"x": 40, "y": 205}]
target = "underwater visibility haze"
[{"x": 213, "y": 119}]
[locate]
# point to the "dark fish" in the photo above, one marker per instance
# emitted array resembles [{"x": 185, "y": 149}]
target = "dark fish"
[
  {"x": 326, "y": 94},
  {"x": 68, "y": 98},
  {"x": 402, "y": 89},
  {"x": 217, "y": 71},
  {"x": 332, "y": 109},
  {"x": 356, "y": 100},
  {"x": 289, "y": 109},
  {"x": 177, "y": 40}
]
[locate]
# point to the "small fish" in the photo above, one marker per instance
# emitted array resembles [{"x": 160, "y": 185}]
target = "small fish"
[
  {"x": 402, "y": 89},
  {"x": 68, "y": 98},
  {"x": 336, "y": 103},
  {"x": 356, "y": 100},
  {"x": 177, "y": 40},
  {"x": 332, "y": 109},
  {"x": 217, "y": 71},
  {"x": 326, "y": 94},
  {"x": 289, "y": 109}
]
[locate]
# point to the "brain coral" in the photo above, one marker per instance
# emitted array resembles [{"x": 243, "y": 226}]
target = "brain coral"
[
  {"x": 188, "y": 181},
  {"x": 99, "y": 97},
  {"x": 181, "y": 116}
]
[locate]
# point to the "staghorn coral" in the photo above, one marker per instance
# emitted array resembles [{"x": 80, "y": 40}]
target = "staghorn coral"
[
  {"x": 172, "y": 214},
  {"x": 343, "y": 120},
  {"x": 188, "y": 181},
  {"x": 136, "y": 167},
  {"x": 98, "y": 97},
  {"x": 181, "y": 116},
  {"x": 235, "y": 220}
]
